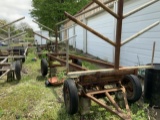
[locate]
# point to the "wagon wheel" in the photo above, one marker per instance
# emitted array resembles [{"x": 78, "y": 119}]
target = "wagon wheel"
[
  {"x": 133, "y": 88},
  {"x": 70, "y": 96},
  {"x": 77, "y": 62},
  {"x": 44, "y": 67},
  {"x": 18, "y": 68}
]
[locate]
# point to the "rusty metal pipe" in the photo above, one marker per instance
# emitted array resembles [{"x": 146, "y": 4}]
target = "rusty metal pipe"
[
  {"x": 41, "y": 36},
  {"x": 118, "y": 34},
  {"x": 93, "y": 61},
  {"x": 153, "y": 51},
  {"x": 140, "y": 8},
  {"x": 64, "y": 62},
  {"x": 67, "y": 39},
  {"x": 43, "y": 26},
  {"x": 66, "y": 28},
  {"x": 12, "y": 22},
  {"x": 17, "y": 35},
  {"x": 85, "y": 11},
  {"x": 106, "y": 8},
  {"x": 89, "y": 29},
  {"x": 139, "y": 33}
]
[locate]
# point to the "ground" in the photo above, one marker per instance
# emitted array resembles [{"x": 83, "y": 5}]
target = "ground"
[{"x": 29, "y": 99}]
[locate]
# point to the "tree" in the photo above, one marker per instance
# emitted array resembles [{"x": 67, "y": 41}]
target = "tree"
[
  {"x": 50, "y": 12},
  {"x": 23, "y": 26}
]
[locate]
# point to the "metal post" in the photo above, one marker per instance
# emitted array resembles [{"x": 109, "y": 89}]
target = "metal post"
[
  {"x": 153, "y": 52},
  {"x": 56, "y": 46},
  {"x": 118, "y": 33}
]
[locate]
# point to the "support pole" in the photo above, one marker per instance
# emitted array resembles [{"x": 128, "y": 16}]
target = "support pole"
[
  {"x": 118, "y": 34},
  {"x": 56, "y": 46},
  {"x": 153, "y": 51}
]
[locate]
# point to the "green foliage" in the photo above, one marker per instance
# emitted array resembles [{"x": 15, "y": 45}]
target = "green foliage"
[
  {"x": 49, "y": 12},
  {"x": 60, "y": 75}
]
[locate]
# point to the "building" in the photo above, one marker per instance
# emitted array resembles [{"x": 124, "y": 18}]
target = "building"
[{"x": 137, "y": 51}]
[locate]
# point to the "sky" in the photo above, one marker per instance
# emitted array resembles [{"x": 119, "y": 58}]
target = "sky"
[{"x": 11, "y": 10}]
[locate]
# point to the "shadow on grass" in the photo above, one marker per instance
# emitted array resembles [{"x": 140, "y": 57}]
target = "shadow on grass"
[
  {"x": 41, "y": 78},
  {"x": 13, "y": 82}
]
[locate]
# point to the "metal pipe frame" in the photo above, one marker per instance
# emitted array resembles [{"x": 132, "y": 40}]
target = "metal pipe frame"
[
  {"x": 85, "y": 11},
  {"x": 51, "y": 57},
  {"x": 106, "y": 8},
  {"x": 6, "y": 71},
  {"x": 99, "y": 62},
  {"x": 4, "y": 60},
  {"x": 42, "y": 36},
  {"x": 118, "y": 111},
  {"x": 89, "y": 29},
  {"x": 139, "y": 8},
  {"x": 43, "y": 26},
  {"x": 66, "y": 28},
  {"x": 12, "y": 22},
  {"x": 67, "y": 39},
  {"x": 3, "y": 30},
  {"x": 17, "y": 35},
  {"x": 139, "y": 33}
]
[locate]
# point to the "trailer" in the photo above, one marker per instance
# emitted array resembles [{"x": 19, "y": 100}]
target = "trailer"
[
  {"x": 113, "y": 83},
  {"x": 12, "y": 57}
]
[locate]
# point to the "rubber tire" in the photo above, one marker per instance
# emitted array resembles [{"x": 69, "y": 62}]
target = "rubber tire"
[
  {"x": 47, "y": 83},
  {"x": 69, "y": 85},
  {"x": 0, "y": 71},
  {"x": 77, "y": 62},
  {"x": 18, "y": 68},
  {"x": 44, "y": 67},
  {"x": 137, "y": 88}
]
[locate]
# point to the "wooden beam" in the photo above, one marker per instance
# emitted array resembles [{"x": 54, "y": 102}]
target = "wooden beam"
[{"x": 89, "y": 29}]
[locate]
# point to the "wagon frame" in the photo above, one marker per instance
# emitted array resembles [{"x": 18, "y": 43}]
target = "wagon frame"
[{"x": 85, "y": 85}]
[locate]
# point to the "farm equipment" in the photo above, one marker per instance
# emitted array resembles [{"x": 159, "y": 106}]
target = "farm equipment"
[
  {"x": 12, "y": 57},
  {"x": 114, "y": 83}
]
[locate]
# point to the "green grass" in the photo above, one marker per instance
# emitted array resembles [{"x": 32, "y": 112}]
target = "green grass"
[{"x": 29, "y": 99}]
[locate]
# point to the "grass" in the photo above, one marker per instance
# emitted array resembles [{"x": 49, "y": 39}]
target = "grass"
[{"x": 29, "y": 99}]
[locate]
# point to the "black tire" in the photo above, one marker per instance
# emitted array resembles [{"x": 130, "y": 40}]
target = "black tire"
[
  {"x": 18, "y": 68},
  {"x": 77, "y": 62},
  {"x": 133, "y": 88},
  {"x": 23, "y": 59},
  {"x": 47, "y": 83},
  {"x": 70, "y": 93},
  {"x": 44, "y": 67},
  {"x": 0, "y": 71}
]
